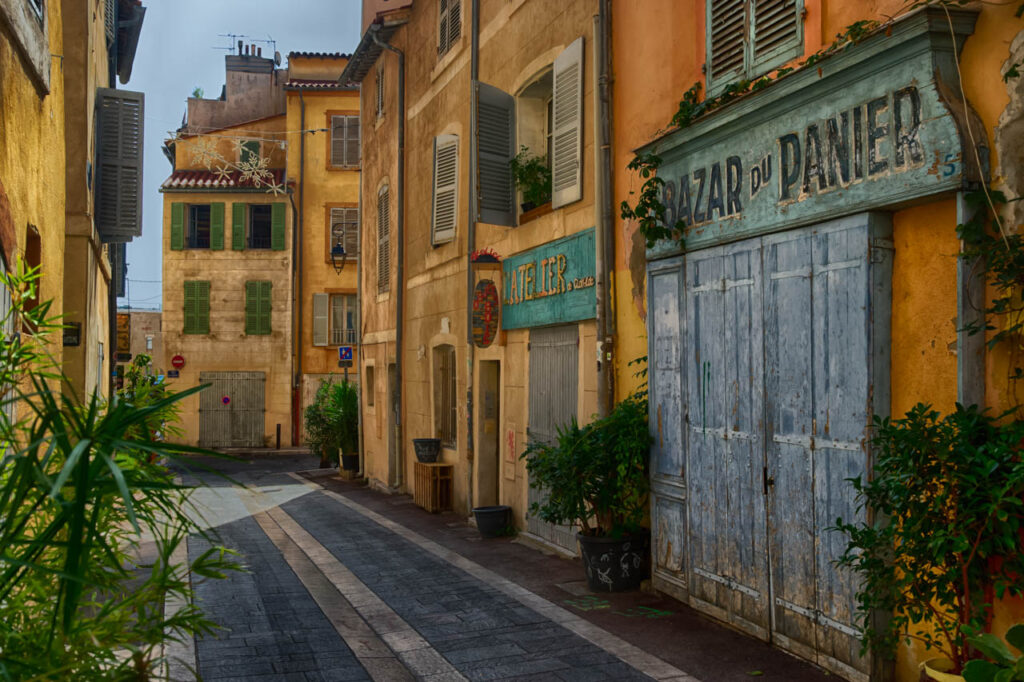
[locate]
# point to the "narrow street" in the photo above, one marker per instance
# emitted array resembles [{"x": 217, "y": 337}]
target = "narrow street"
[{"x": 349, "y": 584}]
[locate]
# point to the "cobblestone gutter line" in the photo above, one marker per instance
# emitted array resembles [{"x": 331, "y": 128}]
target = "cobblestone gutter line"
[{"x": 634, "y": 656}]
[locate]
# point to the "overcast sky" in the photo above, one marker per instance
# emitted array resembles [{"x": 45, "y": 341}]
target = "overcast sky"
[{"x": 176, "y": 54}]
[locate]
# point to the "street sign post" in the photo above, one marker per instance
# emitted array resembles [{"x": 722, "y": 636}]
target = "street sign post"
[{"x": 345, "y": 359}]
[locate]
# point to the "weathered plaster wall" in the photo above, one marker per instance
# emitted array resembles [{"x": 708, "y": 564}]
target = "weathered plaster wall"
[
  {"x": 145, "y": 324},
  {"x": 225, "y": 141},
  {"x": 227, "y": 348}
]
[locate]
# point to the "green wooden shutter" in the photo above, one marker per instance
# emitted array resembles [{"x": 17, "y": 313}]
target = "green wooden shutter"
[
  {"x": 217, "y": 226},
  {"x": 277, "y": 226},
  {"x": 265, "y": 311},
  {"x": 257, "y": 308},
  {"x": 177, "y": 226},
  {"x": 238, "y": 227},
  {"x": 197, "y": 307}
]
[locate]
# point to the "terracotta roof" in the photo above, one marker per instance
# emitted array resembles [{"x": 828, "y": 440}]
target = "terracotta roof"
[
  {"x": 314, "y": 84},
  {"x": 205, "y": 179},
  {"x": 320, "y": 55}
]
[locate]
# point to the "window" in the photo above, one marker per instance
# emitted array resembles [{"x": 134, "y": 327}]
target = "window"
[
  {"x": 199, "y": 226},
  {"x": 445, "y": 412},
  {"x": 197, "y": 307},
  {"x": 343, "y": 319},
  {"x": 747, "y": 39},
  {"x": 380, "y": 88},
  {"x": 449, "y": 26},
  {"x": 249, "y": 151},
  {"x": 345, "y": 141},
  {"x": 25, "y": 23},
  {"x": 345, "y": 230},
  {"x": 446, "y": 189},
  {"x": 383, "y": 240},
  {"x": 257, "y": 308},
  {"x": 371, "y": 388},
  {"x": 260, "y": 226}
]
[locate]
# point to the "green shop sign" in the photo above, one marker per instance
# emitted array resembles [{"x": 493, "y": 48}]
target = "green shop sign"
[{"x": 550, "y": 284}]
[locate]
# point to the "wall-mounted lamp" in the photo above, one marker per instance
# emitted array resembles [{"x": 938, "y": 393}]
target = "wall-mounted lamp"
[{"x": 338, "y": 258}]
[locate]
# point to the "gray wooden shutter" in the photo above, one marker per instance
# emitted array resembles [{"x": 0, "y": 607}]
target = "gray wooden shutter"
[
  {"x": 177, "y": 226},
  {"x": 775, "y": 30},
  {"x": 383, "y": 240},
  {"x": 446, "y": 189},
  {"x": 118, "y": 198},
  {"x": 380, "y": 88},
  {"x": 726, "y": 40},
  {"x": 496, "y": 145},
  {"x": 567, "y": 126},
  {"x": 454, "y": 22},
  {"x": 238, "y": 226},
  {"x": 217, "y": 226},
  {"x": 110, "y": 21},
  {"x": 442, "y": 28},
  {"x": 345, "y": 230},
  {"x": 344, "y": 141},
  {"x": 277, "y": 226},
  {"x": 320, "y": 305}
]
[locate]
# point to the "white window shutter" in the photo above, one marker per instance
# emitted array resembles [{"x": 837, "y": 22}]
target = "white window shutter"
[
  {"x": 446, "y": 188},
  {"x": 383, "y": 240},
  {"x": 567, "y": 126},
  {"x": 119, "y": 131},
  {"x": 320, "y": 304},
  {"x": 496, "y": 145}
]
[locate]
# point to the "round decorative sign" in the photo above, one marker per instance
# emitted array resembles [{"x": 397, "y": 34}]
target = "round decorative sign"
[
  {"x": 177, "y": 362},
  {"x": 226, "y": 400},
  {"x": 486, "y": 309}
]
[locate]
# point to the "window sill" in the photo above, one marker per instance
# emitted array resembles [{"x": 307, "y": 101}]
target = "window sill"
[
  {"x": 535, "y": 213},
  {"x": 342, "y": 168},
  {"x": 445, "y": 60}
]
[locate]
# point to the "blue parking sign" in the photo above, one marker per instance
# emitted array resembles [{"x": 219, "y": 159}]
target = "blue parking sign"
[{"x": 344, "y": 352}]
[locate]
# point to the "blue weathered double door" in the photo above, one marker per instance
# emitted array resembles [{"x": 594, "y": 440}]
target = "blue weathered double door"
[{"x": 766, "y": 360}]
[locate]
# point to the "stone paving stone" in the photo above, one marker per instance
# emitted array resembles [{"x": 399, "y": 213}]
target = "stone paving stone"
[
  {"x": 484, "y": 633},
  {"x": 273, "y": 628}
]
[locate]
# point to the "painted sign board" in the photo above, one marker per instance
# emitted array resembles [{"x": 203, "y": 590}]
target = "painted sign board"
[
  {"x": 344, "y": 352},
  {"x": 72, "y": 334},
  {"x": 486, "y": 311},
  {"x": 550, "y": 284},
  {"x": 867, "y": 128}
]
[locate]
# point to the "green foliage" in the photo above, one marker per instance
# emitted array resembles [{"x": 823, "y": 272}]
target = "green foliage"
[
  {"x": 532, "y": 176},
  {"x": 649, "y": 211},
  {"x": 80, "y": 487},
  {"x": 332, "y": 420},
  {"x": 1002, "y": 665},
  {"x": 197, "y": 92},
  {"x": 595, "y": 475},
  {"x": 947, "y": 496}
]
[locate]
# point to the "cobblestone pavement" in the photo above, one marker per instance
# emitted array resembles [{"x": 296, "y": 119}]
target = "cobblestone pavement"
[{"x": 347, "y": 584}]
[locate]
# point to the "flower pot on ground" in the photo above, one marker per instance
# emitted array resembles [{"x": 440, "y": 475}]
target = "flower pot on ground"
[
  {"x": 427, "y": 449},
  {"x": 350, "y": 462},
  {"x": 332, "y": 422},
  {"x": 595, "y": 477},
  {"x": 493, "y": 521},
  {"x": 943, "y": 530},
  {"x": 938, "y": 669}
]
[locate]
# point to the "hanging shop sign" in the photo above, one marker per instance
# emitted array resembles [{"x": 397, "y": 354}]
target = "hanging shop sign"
[
  {"x": 550, "y": 284},
  {"x": 486, "y": 312},
  {"x": 866, "y": 128}
]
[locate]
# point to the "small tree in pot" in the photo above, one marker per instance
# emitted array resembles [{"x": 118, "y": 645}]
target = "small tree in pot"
[
  {"x": 947, "y": 494},
  {"x": 595, "y": 477},
  {"x": 332, "y": 424},
  {"x": 533, "y": 178}
]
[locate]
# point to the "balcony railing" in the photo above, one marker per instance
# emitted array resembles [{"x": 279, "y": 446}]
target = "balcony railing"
[{"x": 343, "y": 337}]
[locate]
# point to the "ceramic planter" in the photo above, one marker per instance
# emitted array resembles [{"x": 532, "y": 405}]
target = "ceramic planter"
[
  {"x": 938, "y": 669},
  {"x": 615, "y": 564},
  {"x": 427, "y": 449},
  {"x": 493, "y": 521}
]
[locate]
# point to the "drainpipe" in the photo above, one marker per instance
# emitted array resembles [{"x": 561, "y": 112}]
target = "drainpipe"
[
  {"x": 400, "y": 236},
  {"x": 297, "y": 277},
  {"x": 603, "y": 221},
  {"x": 474, "y": 75},
  {"x": 360, "y": 376}
]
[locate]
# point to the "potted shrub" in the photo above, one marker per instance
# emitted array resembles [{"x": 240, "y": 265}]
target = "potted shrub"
[
  {"x": 943, "y": 533},
  {"x": 342, "y": 410},
  {"x": 595, "y": 477},
  {"x": 318, "y": 435},
  {"x": 533, "y": 178}
]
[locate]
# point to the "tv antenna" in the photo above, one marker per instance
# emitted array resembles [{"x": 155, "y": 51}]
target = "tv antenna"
[{"x": 235, "y": 38}]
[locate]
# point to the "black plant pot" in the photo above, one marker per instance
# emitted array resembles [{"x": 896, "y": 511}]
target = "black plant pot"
[
  {"x": 427, "y": 449},
  {"x": 527, "y": 206},
  {"x": 350, "y": 462},
  {"x": 615, "y": 564},
  {"x": 494, "y": 521}
]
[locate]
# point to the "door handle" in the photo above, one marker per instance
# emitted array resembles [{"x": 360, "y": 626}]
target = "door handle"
[{"x": 766, "y": 480}]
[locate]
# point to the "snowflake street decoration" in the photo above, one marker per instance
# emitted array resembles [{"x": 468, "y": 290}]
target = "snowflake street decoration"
[{"x": 251, "y": 168}]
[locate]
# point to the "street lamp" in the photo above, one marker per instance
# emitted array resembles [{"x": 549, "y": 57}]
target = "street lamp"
[{"x": 338, "y": 258}]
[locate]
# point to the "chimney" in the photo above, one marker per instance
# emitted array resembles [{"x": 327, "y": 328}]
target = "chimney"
[
  {"x": 246, "y": 50},
  {"x": 259, "y": 51},
  {"x": 240, "y": 48}
]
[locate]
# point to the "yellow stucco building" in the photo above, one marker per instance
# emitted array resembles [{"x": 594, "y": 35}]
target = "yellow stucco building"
[
  {"x": 480, "y": 315},
  {"x": 70, "y": 154}
]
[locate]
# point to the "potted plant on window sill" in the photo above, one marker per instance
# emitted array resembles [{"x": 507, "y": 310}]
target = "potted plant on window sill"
[
  {"x": 595, "y": 477},
  {"x": 533, "y": 179},
  {"x": 948, "y": 497}
]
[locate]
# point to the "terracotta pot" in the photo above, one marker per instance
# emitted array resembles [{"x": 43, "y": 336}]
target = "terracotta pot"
[{"x": 938, "y": 669}]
